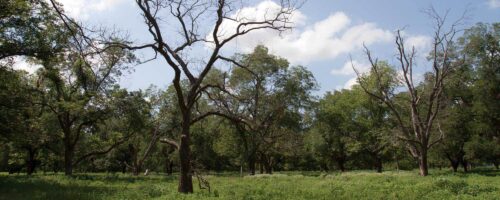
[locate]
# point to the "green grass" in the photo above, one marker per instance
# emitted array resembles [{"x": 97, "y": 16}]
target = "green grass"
[{"x": 290, "y": 185}]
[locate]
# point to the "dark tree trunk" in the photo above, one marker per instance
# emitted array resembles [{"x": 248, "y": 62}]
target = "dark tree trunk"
[
  {"x": 124, "y": 168},
  {"x": 325, "y": 167},
  {"x": 422, "y": 164},
  {"x": 31, "y": 162},
  {"x": 69, "y": 151},
  {"x": 185, "y": 179},
  {"x": 55, "y": 167},
  {"x": 340, "y": 163},
  {"x": 464, "y": 165},
  {"x": 136, "y": 170},
  {"x": 251, "y": 164},
  {"x": 68, "y": 160},
  {"x": 170, "y": 167},
  {"x": 169, "y": 164},
  {"x": 268, "y": 170},
  {"x": 379, "y": 165},
  {"x": 5, "y": 158},
  {"x": 454, "y": 165},
  {"x": 266, "y": 163}
]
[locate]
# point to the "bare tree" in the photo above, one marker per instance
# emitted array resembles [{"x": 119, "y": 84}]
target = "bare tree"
[
  {"x": 185, "y": 17},
  {"x": 423, "y": 103}
]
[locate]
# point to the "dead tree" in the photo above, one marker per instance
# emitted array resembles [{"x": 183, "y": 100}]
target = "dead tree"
[
  {"x": 185, "y": 17},
  {"x": 423, "y": 103}
]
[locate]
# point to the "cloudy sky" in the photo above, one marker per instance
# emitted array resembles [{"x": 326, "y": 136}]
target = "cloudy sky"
[{"x": 327, "y": 33}]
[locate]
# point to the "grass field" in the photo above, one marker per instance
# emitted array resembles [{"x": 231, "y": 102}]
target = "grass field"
[{"x": 483, "y": 184}]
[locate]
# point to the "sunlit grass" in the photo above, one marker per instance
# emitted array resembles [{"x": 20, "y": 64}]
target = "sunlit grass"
[{"x": 288, "y": 185}]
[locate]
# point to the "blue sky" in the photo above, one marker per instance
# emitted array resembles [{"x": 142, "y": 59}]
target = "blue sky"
[{"x": 328, "y": 32}]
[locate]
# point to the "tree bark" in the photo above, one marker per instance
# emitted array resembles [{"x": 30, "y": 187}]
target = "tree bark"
[
  {"x": 31, "y": 162},
  {"x": 464, "y": 165},
  {"x": 266, "y": 163},
  {"x": 170, "y": 167},
  {"x": 185, "y": 179},
  {"x": 341, "y": 165},
  {"x": 68, "y": 159},
  {"x": 4, "y": 165},
  {"x": 422, "y": 164},
  {"x": 124, "y": 168},
  {"x": 454, "y": 165},
  {"x": 268, "y": 167},
  {"x": 136, "y": 170},
  {"x": 251, "y": 164},
  {"x": 379, "y": 165}
]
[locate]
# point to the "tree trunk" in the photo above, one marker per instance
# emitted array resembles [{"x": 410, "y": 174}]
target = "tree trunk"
[
  {"x": 496, "y": 165},
  {"x": 185, "y": 179},
  {"x": 68, "y": 160},
  {"x": 168, "y": 166},
  {"x": 69, "y": 151},
  {"x": 379, "y": 165},
  {"x": 341, "y": 164},
  {"x": 454, "y": 165},
  {"x": 422, "y": 164},
  {"x": 55, "y": 167},
  {"x": 4, "y": 165},
  {"x": 124, "y": 168},
  {"x": 251, "y": 164},
  {"x": 31, "y": 162},
  {"x": 136, "y": 170},
  {"x": 268, "y": 168},
  {"x": 325, "y": 167},
  {"x": 464, "y": 165},
  {"x": 266, "y": 163}
]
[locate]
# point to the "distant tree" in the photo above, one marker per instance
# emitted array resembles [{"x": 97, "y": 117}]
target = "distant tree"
[
  {"x": 132, "y": 116},
  {"x": 23, "y": 117},
  {"x": 265, "y": 99},
  {"x": 349, "y": 124},
  {"x": 422, "y": 105},
  {"x": 481, "y": 48},
  {"x": 456, "y": 117}
]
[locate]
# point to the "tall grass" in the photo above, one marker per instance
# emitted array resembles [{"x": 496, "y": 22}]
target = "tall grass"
[{"x": 288, "y": 185}]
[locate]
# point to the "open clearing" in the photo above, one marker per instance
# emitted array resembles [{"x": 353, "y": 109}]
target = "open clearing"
[{"x": 484, "y": 184}]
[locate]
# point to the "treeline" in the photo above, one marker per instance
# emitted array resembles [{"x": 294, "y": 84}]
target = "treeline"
[{"x": 260, "y": 114}]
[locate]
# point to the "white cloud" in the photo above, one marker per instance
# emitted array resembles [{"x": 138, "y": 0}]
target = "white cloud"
[
  {"x": 83, "y": 8},
  {"x": 494, "y": 3},
  {"x": 421, "y": 43},
  {"x": 324, "y": 40},
  {"x": 348, "y": 70},
  {"x": 351, "y": 82}
]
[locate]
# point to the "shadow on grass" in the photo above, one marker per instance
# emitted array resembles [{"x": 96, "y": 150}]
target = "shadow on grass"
[
  {"x": 24, "y": 187},
  {"x": 120, "y": 178},
  {"x": 486, "y": 172}
]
